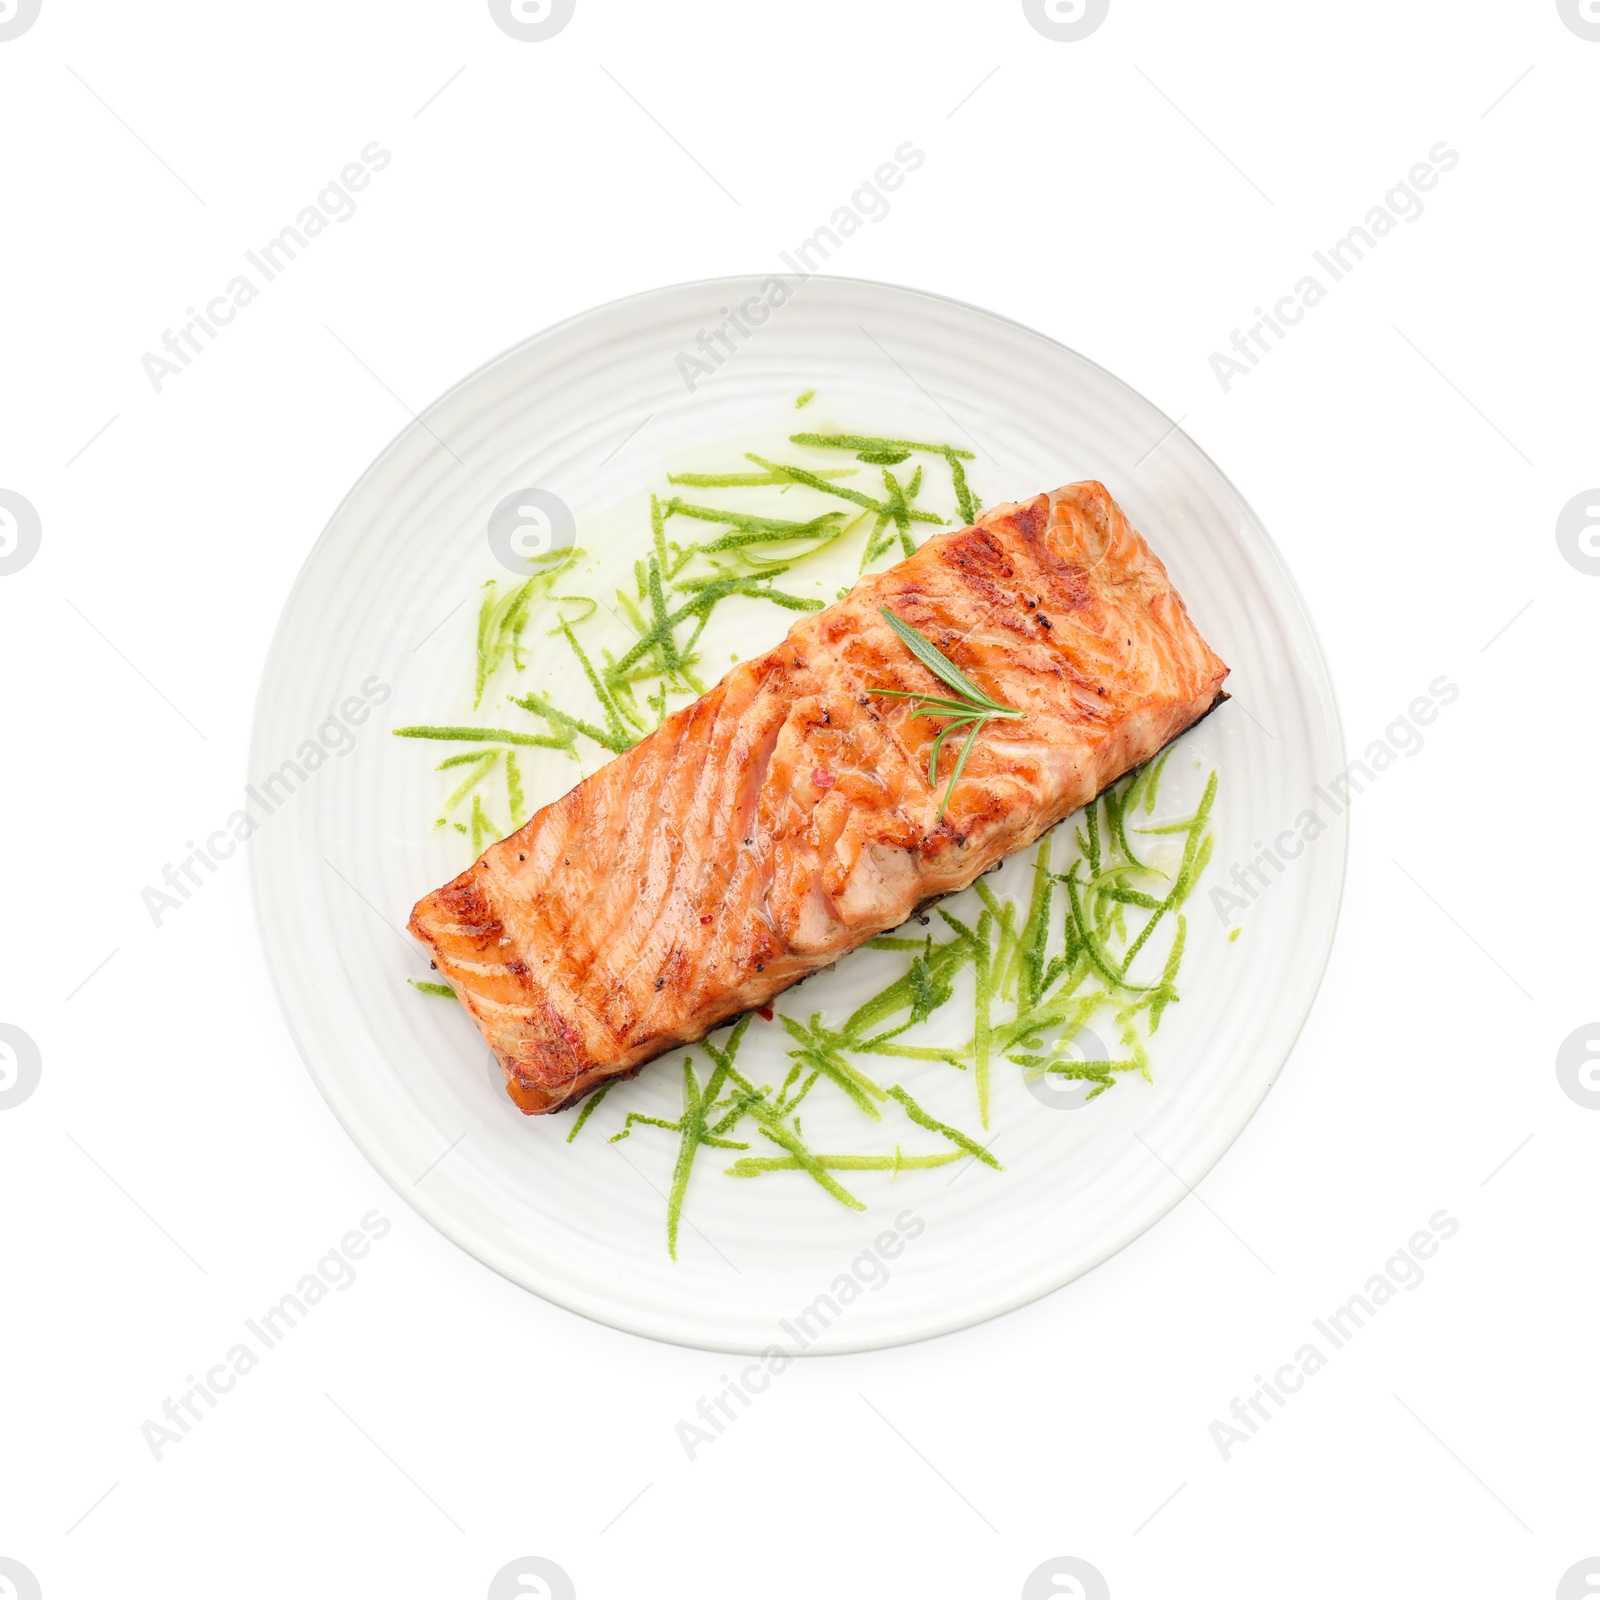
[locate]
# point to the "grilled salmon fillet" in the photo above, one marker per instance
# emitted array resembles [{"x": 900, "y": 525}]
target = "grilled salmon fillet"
[{"x": 786, "y": 817}]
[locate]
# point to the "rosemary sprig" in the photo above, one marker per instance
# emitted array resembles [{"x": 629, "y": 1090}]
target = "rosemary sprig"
[{"x": 975, "y": 709}]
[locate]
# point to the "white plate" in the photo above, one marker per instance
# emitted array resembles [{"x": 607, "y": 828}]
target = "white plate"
[{"x": 597, "y": 410}]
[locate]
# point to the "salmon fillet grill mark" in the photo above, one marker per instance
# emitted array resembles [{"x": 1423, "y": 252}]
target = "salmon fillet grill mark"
[{"x": 785, "y": 817}]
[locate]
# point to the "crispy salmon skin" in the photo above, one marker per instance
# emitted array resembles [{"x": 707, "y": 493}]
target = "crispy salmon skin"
[{"x": 786, "y": 816}]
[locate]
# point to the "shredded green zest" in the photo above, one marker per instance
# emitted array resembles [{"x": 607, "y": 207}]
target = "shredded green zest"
[
  {"x": 480, "y": 736},
  {"x": 815, "y": 480},
  {"x": 484, "y": 831},
  {"x": 754, "y": 1166},
  {"x": 502, "y": 618},
  {"x": 1093, "y": 947},
  {"x": 967, "y": 502},
  {"x": 679, "y": 582},
  {"x": 862, "y": 442},
  {"x": 590, "y": 1106},
  {"x": 817, "y": 1050},
  {"x": 956, "y": 1137},
  {"x": 1044, "y": 969},
  {"x": 514, "y": 790},
  {"x": 749, "y": 480}
]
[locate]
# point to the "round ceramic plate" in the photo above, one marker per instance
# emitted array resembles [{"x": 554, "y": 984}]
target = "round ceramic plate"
[{"x": 379, "y": 632}]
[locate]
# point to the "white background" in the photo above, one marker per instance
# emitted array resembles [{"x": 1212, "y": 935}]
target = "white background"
[{"x": 1409, "y": 447}]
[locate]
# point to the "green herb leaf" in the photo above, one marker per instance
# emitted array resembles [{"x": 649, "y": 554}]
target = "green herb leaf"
[{"x": 941, "y": 666}]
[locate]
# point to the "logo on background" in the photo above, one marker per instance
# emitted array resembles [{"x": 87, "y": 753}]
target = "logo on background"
[
  {"x": 16, "y": 17},
  {"x": 16, "y": 1582},
  {"x": 20, "y": 531},
  {"x": 1578, "y": 1073},
  {"x": 531, "y": 1578},
  {"x": 1578, "y": 525},
  {"x": 532, "y": 21},
  {"x": 1061, "y": 1093},
  {"x": 20, "y": 1069},
  {"x": 1582, "y": 16},
  {"x": 529, "y": 525},
  {"x": 1065, "y": 1578},
  {"x": 1066, "y": 21},
  {"x": 1581, "y": 1582}
]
